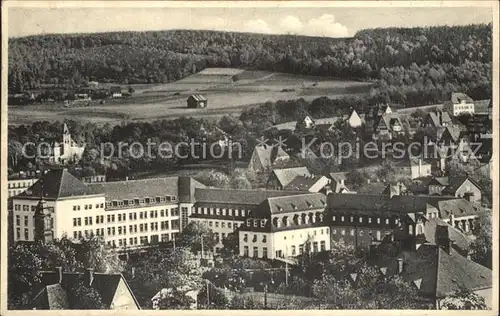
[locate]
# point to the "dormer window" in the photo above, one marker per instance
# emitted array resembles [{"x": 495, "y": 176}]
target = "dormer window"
[
  {"x": 158, "y": 199},
  {"x": 309, "y": 204},
  {"x": 280, "y": 208},
  {"x": 249, "y": 223},
  {"x": 256, "y": 223},
  {"x": 173, "y": 198},
  {"x": 115, "y": 203},
  {"x": 294, "y": 206},
  {"x": 147, "y": 200},
  {"x": 137, "y": 201},
  {"x": 141, "y": 201},
  {"x": 334, "y": 218},
  {"x": 131, "y": 202},
  {"x": 262, "y": 222}
]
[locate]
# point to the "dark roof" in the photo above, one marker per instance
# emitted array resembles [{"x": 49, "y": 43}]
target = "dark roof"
[
  {"x": 269, "y": 154},
  {"x": 439, "y": 117},
  {"x": 114, "y": 89},
  {"x": 372, "y": 188},
  {"x": 397, "y": 203},
  {"x": 187, "y": 187},
  {"x": 293, "y": 203},
  {"x": 126, "y": 190},
  {"x": 57, "y": 183},
  {"x": 460, "y": 240},
  {"x": 454, "y": 183},
  {"x": 56, "y": 293},
  {"x": 244, "y": 197}
]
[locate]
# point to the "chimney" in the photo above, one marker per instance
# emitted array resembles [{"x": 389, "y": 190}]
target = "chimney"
[
  {"x": 443, "y": 239},
  {"x": 400, "y": 265},
  {"x": 88, "y": 276},
  {"x": 59, "y": 271}
]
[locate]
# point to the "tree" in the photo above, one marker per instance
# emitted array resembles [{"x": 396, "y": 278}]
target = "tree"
[
  {"x": 356, "y": 178},
  {"x": 194, "y": 235},
  {"x": 481, "y": 247},
  {"x": 81, "y": 296},
  {"x": 463, "y": 299},
  {"x": 215, "y": 179},
  {"x": 217, "y": 298}
]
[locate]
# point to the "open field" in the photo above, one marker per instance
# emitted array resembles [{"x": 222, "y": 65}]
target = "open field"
[{"x": 225, "y": 96}]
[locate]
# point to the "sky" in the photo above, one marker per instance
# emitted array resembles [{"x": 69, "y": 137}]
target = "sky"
[{"x": 314, "y": 21}]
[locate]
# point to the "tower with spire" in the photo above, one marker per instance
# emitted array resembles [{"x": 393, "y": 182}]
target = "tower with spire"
[
  {"x": 68, "y": 149},
  {"x": 43, "y": 220}
]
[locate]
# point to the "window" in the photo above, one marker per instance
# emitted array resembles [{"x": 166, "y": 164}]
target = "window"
[
  {"x": 254, "y": 238},
  {"x": 210, "y": 224},
  {"x": 255, "y": 252},
  {"x": 75, "y": 235},
  {"x": 315, "y": 246},
  {"x": 223, "y": 235},
  {"x": 387, "y": 221},
  {"x": 361, "y": 232},
  {"x": 230, "y": 212},
  {"x": 245, "y": 251},
  {"x": 352, "y": 232},
  {"x": 18, "y": 220},
  {"x": 26, "y": 234},
  {"x": 162, "y": 213},
  {"x": 342, "y": 218},
  {"x": 352, "y": 219},
  {"x": 18, "y": 233},
  {"x": 245, "y": 237},
  {"x": 216, "y": 224},
  {"x": 369, "y": 220},
  {"x": 229, "y": 225},
  {"x": 264, "y": 252},
  {"x": 322, "y": 245},
  {"x": 74, "y": 207},
  {"x": 242, "y": 213},
  {"x": 224, "y": 212},
  {"x": 301, "y": 249},
  {"x": 293, "y": 251},
  {"x": 361, "y": 219},
  {"x": 223, "y": 224},
  {"x": 378, "y": 220},
  {"x": 79, "y": 221},
  {"x": 217, "y": 211},
  {"x": 342, "y": 232},
  {"x": 264, "y": 238}
]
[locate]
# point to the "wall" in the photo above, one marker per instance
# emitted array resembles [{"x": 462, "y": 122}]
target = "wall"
[{"x": 123, "y": 298}]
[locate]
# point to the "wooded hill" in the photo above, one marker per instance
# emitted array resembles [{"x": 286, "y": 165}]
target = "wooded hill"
[{"x": 415, "y": 59}]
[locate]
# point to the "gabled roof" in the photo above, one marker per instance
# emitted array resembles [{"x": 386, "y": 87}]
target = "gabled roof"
[
  {"x": 454, "y": 183},
  {"x": 303, "y": 183},
  {"x": 457, "y": 97},
  {"x": 482, "y": 106},
  {"x": 440, "y": 117},
  {"x": 198, "y": 97},
  {"x": 126, "y": 190},
  {"x": 457, "y": 207},
  {"x": 287, "y": 175},
  {"x": 244, "y": 197},
  {"x": 57, "y": 183},
  {"x": 269, "y": 154},
  {"x": 293, "y": 203},
  {"x": 55, "y": 293},
  {"x": 438, "y": 181},
  {"x": 338, "y": 176}
]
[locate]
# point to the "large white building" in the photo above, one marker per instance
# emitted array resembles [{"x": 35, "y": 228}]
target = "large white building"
[
  {"x": 126, "y": 213},
  {"x": 285, "y": 226}
]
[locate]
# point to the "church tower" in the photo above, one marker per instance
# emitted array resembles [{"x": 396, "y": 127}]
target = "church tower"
[
  {"x": 66, "y": 140},
  {"x": 44, "y": 220}
]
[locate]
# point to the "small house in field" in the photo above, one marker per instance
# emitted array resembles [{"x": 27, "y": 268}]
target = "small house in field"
[
  {"x": 115, "y": 91},
  {"x": 196, "y": 101}
]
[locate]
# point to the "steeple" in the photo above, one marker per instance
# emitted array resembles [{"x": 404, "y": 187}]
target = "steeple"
[{"x": 43, "y": 219}]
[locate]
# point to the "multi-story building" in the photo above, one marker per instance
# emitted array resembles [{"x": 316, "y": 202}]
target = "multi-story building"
[
  {"x": 361, "y": 219},
  {"x": 285, "y": 226},
  {"x": 18, "y": 186},
  {"x": 224, "y": 211}
]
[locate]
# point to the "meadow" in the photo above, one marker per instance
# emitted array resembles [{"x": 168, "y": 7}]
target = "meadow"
[{"x": 228, "y": 91}]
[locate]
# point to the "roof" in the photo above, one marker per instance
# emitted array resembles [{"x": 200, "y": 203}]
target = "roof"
[
  {"x": 303, "y": 183},
  {"x": 460, "y": 240},
  {"x": 56, "y": 293},
  {"x": 457, "y": 207},
  {"x": 482, "y": 106},
  {"x": 187, "y": 187},
  {"x": 57, "y": 183},
  {"x": 443, "y": 273},
  {"x": 338, "y": 176},
  {"x": 457, "y": 97},
  {"x": 286, "y": 175},
  {"x": 372, "y": 188},
  {"x": 127, "y": 190},
  {"x": 197, "y": 97},
  {"x": 434, "y": 116},
  {"x": 293, "y": 203},
  {"x": 268, "y": 154},
  {"x": 245, "y": 197},
  {"x": 454, "y": 183},
  {"x": 397, "y": 203}
]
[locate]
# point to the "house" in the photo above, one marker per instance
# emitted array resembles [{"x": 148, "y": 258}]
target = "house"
[
  {"x": 463, "y": 187},
  {"x": 265, "y": 156},
  {"x": 312, "y": 184},
  {"x": 355, "y": 120},
  {"x": 437, "y": 119},
  {"x": 307, "y": 122},
  {"x": 196, "y": 101},
  {"x": 415, "y": 167},
  {"x": 337, "y": 184},
  {"x": 437, "y": 270},
  {"x": 115, "y": 91},
  {"x": 58, "y": 293},
  {"x": 382, "y": 188},
  {"x": 459, "y": 104},
  {"x": 280, "y": 178},
  {"x": 389, "y": 125},
  {"x": 432, "y": 225}
]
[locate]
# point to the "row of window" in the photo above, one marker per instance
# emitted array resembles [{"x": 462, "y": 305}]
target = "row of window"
[
  {"x": 26, "y": 208},
  {"x": 26, "y": 184},
  {"x": 142, "y": 240},
  {"x": 15, "y": 192},
  {"x": 223, "y": 224},
  {"x": 88, "y": 206},
  {"x": 221, "y": 211},
  {"x": 313, "y": 247},
  {"x": 141, "y": 201},
  {"x": 362, "y": 219}
]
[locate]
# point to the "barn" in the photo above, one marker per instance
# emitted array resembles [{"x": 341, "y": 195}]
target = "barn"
[{"x": 196, "y": 101}]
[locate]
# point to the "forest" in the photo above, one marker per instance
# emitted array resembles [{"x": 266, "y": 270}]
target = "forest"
[{"x": 404, "y": 62}]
